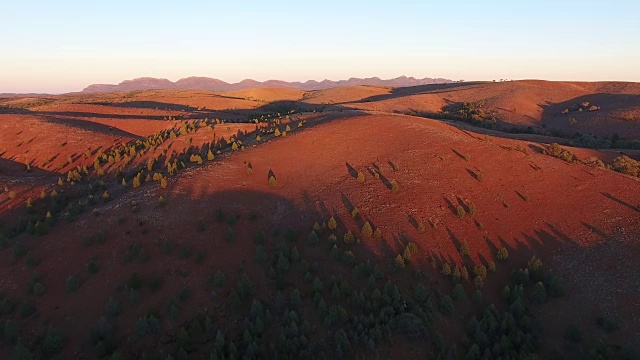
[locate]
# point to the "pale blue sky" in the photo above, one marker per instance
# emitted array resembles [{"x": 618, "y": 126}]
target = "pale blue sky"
[{"x": 61, "y": 46}]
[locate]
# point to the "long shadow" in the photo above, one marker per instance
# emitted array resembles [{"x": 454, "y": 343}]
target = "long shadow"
[
  {"x": 13, "y": 168},
  {"x": 450, "y": 205},
  {"x": 155, "y": 105},
  {"x": 416, "y": 90},
  {"x": 352, "y": 171},
  {"x": 346, "y": 202},
  {"x": 96, "y": 115},
  {"x": 92, "y": 127},
  {"x": 619, "y": 201},
  {"x": 473, "y": 174},
  {"x": 595, "y": 230},
  {"x": 464, "y": 205},
  {"x": 521, "y": 196},
  {"x": 461, "y": 156},
  {"x": 588, "y": 121}
]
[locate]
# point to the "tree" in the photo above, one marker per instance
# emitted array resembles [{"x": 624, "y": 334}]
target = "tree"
[
  {"x": 367, "y": 231},
  {"x": 72, "y": 284},
  {"x": 272, "y": 181},
  {"x": 446, "y": 269},
  {"x": 399, "y": 262},
  {"x": 539, "y": 294},
  {"x": 218, "y": 279},
  {"x": 349, "y": 238},
  {"x": 361, "y": 178},
  {"x": 502, "y": 254},
  {"x": 394, "y": 186},
  {"x": 420, "y": 293},
  {"x": 332, "y": 224},
  {"x": 464, "y": 249},
  {"x": 313, "y": 238}
]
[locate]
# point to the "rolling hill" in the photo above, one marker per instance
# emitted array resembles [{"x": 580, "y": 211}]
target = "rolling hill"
[{"x": 307, "y": 224}]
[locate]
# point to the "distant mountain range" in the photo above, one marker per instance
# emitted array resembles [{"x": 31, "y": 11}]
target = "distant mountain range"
[{"x": 204, "y": 83}]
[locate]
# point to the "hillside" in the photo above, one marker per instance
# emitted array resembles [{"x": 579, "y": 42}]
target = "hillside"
[{"x": 310, "y": 224}]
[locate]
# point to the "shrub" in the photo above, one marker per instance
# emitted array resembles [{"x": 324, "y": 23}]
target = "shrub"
[{"x": 626, "y": 165}]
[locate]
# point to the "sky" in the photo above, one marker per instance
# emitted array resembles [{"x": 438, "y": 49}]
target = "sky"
[{"x": 63, "y": 46}]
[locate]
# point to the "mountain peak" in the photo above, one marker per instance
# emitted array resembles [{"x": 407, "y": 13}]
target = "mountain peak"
[{"x": 211, "y": 84}]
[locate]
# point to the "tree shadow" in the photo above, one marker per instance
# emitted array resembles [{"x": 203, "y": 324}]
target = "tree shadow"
[
  {"x": 619, "y": 201},
  {"x": 521, "y": 196},
  {"x": 595, "y": 230},
  {"x": 538, "y": 149},
  {"x": 92, "y": 127},
  {"x": 351, "y": 170},
  {"x": 450, "y": 205},
  {"x": 461, "y": 156},
  {"x": 473, "y": 174}
]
